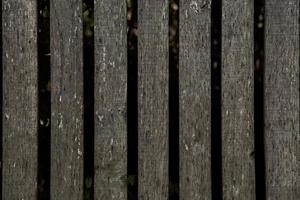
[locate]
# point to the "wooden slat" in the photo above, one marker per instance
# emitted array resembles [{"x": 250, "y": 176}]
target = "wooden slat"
[
  {"x": 110, "y": 99},
  {"x": 282, "y": 137},
  {"x": 20, "y": 99},
  {"x": 153, "y": 99},
  {"x": 66, "y": 100},
  {"x": 195, "y": 103},
  {"x": 238, "y": 100}
]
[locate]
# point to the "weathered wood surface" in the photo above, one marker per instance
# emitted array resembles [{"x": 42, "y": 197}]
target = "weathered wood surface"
[
  {"x": 110, "y": 100},
  {"x": 195, "y": 100},
  {"x": 238, "y": 100},
  {"x": 282, "y": 137},
  {"x": 153, "y": 99},
  {"x": 19, "y": 99},
  {"x": 66, "y": 100}
]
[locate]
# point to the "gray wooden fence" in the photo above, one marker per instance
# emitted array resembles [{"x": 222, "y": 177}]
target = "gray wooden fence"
[{"x": 281, "y": 99}]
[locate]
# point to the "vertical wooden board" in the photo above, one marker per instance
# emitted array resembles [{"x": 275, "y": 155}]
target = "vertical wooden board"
[
  {"x": 66, "y": 100},
  {"x": 110, "y": 99},
  {"x": 195, "y": 103},
  {"x": 282, "y": 137},
  {"x": 153, "y": 99},
  {"x": 20, "y": 99},
  {"x": 238, "y": 100}
]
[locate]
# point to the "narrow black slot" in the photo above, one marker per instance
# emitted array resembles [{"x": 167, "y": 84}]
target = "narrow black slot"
[
  {"x": 44, "y": 99},
  {"x": 1, "y": 103},
  {"x": 259, "y": 62},
  {"x": 173, "y": 100},
  {"x": 216, "y": 95},
  {"x": 132, "y": 102},
  {"x": 88, "y": 97}
]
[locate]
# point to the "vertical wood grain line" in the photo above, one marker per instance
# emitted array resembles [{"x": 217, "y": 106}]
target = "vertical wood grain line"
[
  {"x": 110, "y": 99},
  {"x": 282, "y": 100},
  {"x": 20, "y": 95},
  {"x": 238, "y": 100},
  {"x": 66, "y": 99},
  {"x": 195, "y": 99},
  {"x": 153, "y": 57}
]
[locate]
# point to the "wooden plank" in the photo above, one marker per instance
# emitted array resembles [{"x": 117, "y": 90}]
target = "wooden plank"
[
  {"x": 194, "y": 100},
  {"x": 110, "y": 99},
  {"x": 66, "y": 100},
  {"x": 282, "y": 136},
  {"x": 238, "y": 100},
  {"x": 153, "y": 99},
  {"x": 20, "y": 99}
]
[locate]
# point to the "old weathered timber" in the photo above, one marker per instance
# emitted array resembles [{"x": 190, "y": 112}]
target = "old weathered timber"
[
  {"x": 153, "y": 99},
  {"x": 282, "y": 137},
  {"x": 66, "y": 100},
  {"x": 110, "y": 100},
  {"x": 195, "y": 100},
  {"x": 19, "y": 99},
  {"x": 238, "y": 100}
]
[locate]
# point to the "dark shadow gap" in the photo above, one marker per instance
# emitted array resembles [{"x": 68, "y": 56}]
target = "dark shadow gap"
[
  {"x": 259, "y": 62},
  {"x": 88, "y": 98},
  {"x": 44, "y": 99},
  {"x": 1, "y": 103},
  {"x": 132, "y": 102},
  {"x": 216, "y": 97},
  {"x": 173, "y": 100}
]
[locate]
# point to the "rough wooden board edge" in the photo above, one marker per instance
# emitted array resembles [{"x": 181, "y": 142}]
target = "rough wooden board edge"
[
  {"x": 110, "y": 100},
  {"x": 238, "y": 99},
  {"x": 282, "y": 137},
  {"x": 153, "y": 99},
  {"x": 195, "y": 100},
  {"x": 19, "y": 99},
  {"x": 66, "y": 99}
]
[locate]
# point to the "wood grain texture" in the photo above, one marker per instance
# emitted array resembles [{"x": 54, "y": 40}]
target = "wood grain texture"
[
  {"x": 153, "y": 99},
  {"x": 19, "y": 99},
  {"x": 66, "y": 100},
  {"x": 110, "y": 99},
  {"x": 238, "y": 100},
  {"x": 282, "y": 137},
  {"x": 195, "y": 100}
]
